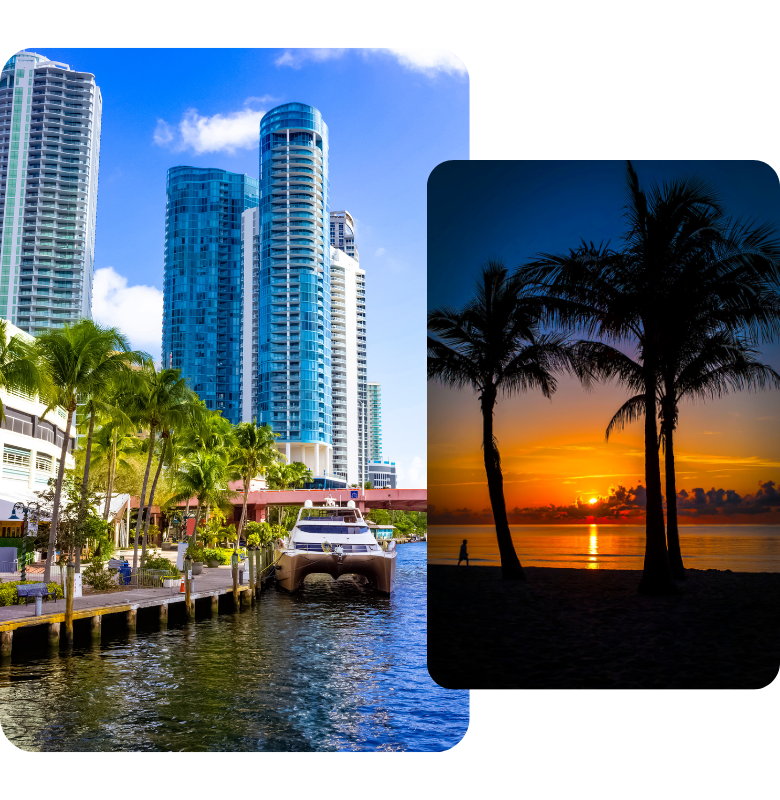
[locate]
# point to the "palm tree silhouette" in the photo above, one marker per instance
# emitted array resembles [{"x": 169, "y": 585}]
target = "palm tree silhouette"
[
  {"x": 495, "y": 345},
  {"x": 684, "y": 269}
]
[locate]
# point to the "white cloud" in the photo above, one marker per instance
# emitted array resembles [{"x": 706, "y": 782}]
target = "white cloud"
[
  {"x": 220, "y": 132},
  {"x": 297, "y": 58},
  {"x": 380, "y": 252},
  {"x": 135, "y": 310},
  {"x": 426, "y": 60},
  {"x": 163, "y": 133},
  {"x": 266, "y": 98},
  {"x": 414, "y": 476}
]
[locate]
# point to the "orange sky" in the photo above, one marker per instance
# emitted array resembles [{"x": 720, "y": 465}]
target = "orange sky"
[{"x": 553, "y": 452}]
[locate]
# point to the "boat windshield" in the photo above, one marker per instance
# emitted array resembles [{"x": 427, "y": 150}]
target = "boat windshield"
[
  {"x": 347, "y": 515},
  {"x": 331, "y": 529}
]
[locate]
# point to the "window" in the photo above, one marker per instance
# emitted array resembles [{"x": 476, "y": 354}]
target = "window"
[
  {"x": 18, "y": 422},
  {"x": 43, "y": 462},
  {"x": 16, "y": 462}
]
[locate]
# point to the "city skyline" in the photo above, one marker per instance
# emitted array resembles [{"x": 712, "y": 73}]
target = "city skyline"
[{"x": 206, "y": 121}]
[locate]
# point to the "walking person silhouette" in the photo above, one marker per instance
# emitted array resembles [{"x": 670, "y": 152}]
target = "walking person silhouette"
[{"x": 463, "y": 554}]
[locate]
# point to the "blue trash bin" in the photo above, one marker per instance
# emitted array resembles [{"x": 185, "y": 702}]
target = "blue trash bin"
[{"x": 124, "y": 574}]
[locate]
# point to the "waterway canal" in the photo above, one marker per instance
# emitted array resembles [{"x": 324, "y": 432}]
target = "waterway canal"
[{"x": 335, "y": 667}]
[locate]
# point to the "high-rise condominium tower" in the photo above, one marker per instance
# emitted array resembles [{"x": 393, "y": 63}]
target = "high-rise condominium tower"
[
  {"x": 374, "y": 422},
  {"x": 203, "y": 282},
  {"x": 342, "y": 233},
  {"x": 348, "y": 314},
  {"x": 49, "y": 154},
  {"x": 292, "y": 285}
]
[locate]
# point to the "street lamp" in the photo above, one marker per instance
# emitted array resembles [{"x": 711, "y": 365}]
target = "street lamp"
[{"x": 35, "y": 508}]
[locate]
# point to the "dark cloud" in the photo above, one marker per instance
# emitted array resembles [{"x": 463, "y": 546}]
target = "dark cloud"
[
  {"x": 625, "y": 505},
  {"x": 726, "y": 502}
]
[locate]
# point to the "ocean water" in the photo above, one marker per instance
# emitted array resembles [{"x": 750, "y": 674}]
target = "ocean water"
[
  {"x": 334, "y": 667},
  {"x": 740, "y": 548}
]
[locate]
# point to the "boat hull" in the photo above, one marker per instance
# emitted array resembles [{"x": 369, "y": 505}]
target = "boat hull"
[{"x": 377, "y": 568}]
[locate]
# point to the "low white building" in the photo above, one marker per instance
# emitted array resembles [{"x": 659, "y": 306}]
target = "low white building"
[{"x": 31, "y": 443}]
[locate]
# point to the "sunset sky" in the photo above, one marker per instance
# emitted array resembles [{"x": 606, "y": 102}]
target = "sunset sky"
[{"x": 554, "y": 456}]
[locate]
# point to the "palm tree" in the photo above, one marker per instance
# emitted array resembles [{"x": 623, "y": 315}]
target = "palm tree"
[
  {"x": 495, "y": 345},
  {"x": 255, "y": 451},
  {"x": 113, "y": 360},
  {"x": 161, "y": 401},
  {"x": 641, "y": 295},
  {"x": 18, "y": 366},
  {"x": 74, "y": 358},
  {"x": 205, "y": 476}
]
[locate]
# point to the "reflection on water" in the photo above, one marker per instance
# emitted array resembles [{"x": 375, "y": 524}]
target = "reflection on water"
[
  {"x": 336, "y": 667},
  {"x": 740, "y": 548},
  {"x": 593, "y": 551}
]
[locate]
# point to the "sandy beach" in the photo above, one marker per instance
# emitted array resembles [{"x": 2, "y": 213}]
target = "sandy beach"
[{"x": 580, "y": 628}]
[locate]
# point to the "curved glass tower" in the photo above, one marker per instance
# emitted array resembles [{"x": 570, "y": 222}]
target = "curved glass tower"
[
  {"x": 293, "y": 376},
  {"x": 203, "y": 283}
]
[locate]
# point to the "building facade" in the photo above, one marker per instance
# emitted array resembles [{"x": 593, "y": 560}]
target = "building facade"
[
  {"x": 293, "y": 391},
  {"x": 203, "y": 282},
  {"x": 31, "y": 442},
  {"x": 382, "y": 474},
  {"x": 348, "y": 315},
  {"x": 342, "y": 233},
  {"x": 49, "y": 158},
  {"x": 374, "y": 422}
]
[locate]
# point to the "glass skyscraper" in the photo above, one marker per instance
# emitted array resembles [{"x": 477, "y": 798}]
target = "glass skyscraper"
[
  {"x": 203, "y": 282},
  {"x": 374, "y": 422},
  {"x": 49, "y": 154},
  {"x": 292, "y": 286}
]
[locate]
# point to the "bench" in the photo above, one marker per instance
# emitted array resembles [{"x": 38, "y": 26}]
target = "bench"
[
  {"x": 34, "y": 590},
  {"x": 116, "y": 563}
]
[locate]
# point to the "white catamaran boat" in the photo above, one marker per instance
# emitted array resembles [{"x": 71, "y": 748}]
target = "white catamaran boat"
[{"x": 336, "y": 541}]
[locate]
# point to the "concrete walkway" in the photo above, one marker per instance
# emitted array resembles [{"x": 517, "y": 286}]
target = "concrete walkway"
[{"x": 211, "y": 582}]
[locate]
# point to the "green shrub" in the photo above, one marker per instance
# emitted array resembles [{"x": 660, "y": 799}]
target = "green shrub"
[
  {"x": 9, "y": 596},
  {"x": 97, "y": 577},
  {"x": 160, "y": 562}
]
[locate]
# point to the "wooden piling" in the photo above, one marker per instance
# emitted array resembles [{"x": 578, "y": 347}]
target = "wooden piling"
[
  {"x": 235, "y": 588},
  {"x": 163, "y": 616},
  {"x": 69, "y": 581},
  {"x": 214, "y": 605},
  {"x": 54, "y": 634},
  {"x": 96, "y": 627},
  {"x": 190, "y": 606},
  {"x": 251, "y": 576},
  {"x": 132, "y": 620},
  {"x": 6, "y": 642}
]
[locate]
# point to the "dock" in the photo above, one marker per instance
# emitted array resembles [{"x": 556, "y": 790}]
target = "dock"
[{"x": 122, "y": 607}]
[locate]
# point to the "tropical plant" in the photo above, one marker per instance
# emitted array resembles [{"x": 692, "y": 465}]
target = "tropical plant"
[
  {"x": 255, "y": 451},
  {"x": 19, "y": 370},
  {"x": 496, "y": 345},
  {"x": 645, "y": 294},
  {"x": 161, "y": 401},
  {"x": 113, "y": 358},
  {"x": 74, "y": 359}
]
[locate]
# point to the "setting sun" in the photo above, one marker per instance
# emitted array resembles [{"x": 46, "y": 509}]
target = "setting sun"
[{"x": 594, "y": 500}]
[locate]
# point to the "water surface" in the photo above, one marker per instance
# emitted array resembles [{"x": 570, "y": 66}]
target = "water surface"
[
  {"x": 740, "y": 548},
  {"x": 334, "y": 667}
]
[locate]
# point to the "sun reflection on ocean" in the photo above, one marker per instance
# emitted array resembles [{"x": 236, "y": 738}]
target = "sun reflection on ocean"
[{"x": 593, "y": 550}]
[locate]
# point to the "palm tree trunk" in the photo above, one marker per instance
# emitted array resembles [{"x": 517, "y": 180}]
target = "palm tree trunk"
[
  {"x": 84, "y": 490},
  {"x": 143, "y": 498},
  {"x": 242, "y": 522},
  {"x": 657, "y": 573},
  {"x": 151, "y": 501},
  {"x": 510, "y": 563},
  {"x": 195, "y": 529},
  {"x": 57, "y": 497},
  {"x": 110, "y": 487},
  {"x": 672, "y": 532}
]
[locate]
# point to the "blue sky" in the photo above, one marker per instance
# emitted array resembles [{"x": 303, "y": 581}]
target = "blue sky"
[{"x": 392, "y": 116}]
